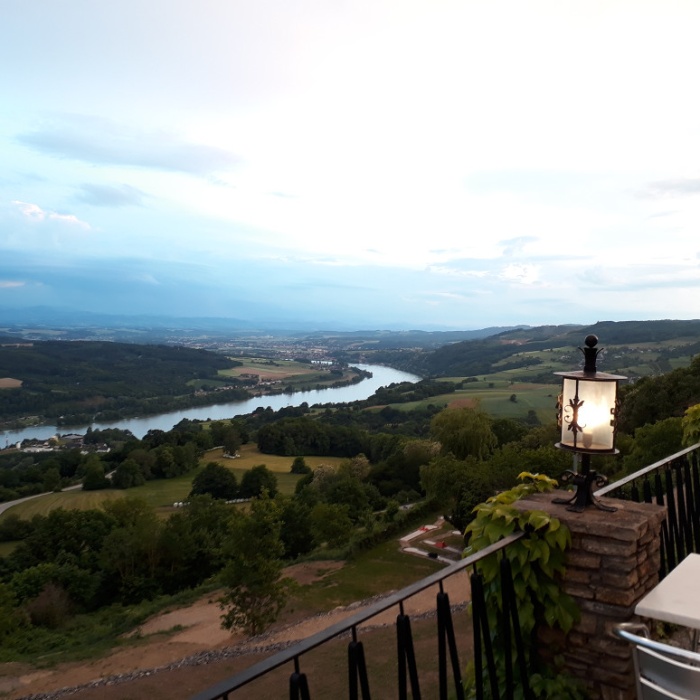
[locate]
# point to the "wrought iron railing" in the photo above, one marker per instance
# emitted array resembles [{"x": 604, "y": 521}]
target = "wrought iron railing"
[
  {"x": 675, "y": 483},
  {"x": 301, "y": 687}
]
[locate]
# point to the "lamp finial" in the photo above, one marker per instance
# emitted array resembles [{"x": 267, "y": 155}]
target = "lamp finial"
[{"x": 590, "y": 354}]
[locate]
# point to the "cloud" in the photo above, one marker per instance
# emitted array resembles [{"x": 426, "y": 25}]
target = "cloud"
[
  {"x": 671, "y": 188},
  {"x": 34, "y": 213},
  {"x": 515, "y": 246},
  {"x": 9, "y": 284},
  {"x": 450, "y": 295},
  {"x": 101, "y": 141},
  {"x": 107, "y": 196},
  {"x": 522, "y": 274},
  {"x": 661, "y": 214},
  {"x": 642, "y": 277},
  {"x": 448, "y": 271}
]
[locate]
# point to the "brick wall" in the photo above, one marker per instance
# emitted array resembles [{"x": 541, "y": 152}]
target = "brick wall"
[{"x": 613, "y": 562}]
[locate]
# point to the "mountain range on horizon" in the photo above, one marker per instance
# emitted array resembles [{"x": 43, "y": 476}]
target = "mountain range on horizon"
[
  {"x": 45, "y": 322},
  {"x": 54, "y": 317}
]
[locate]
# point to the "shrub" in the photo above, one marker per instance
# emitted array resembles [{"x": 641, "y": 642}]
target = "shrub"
[
  {"x": 51, "y": 608},
  {"x": 537, "y": 564}
]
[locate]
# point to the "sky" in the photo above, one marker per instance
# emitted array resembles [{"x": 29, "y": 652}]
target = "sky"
[{"x": 352, "y": 163}]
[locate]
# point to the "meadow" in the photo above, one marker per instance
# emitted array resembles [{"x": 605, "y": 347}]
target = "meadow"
[
  {"x": 515, "y": 392},
  {"x": 493, "y": 394},
  {"x": 298, "y": 375},
  {"x": 163, "y": 493},
  {"x": 269, "y": 369}
]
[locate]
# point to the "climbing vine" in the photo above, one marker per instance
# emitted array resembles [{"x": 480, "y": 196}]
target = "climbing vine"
[{"x": 537, "y": 562}]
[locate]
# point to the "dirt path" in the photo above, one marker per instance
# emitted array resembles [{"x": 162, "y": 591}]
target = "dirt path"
[{"x": 199, "y": 631}]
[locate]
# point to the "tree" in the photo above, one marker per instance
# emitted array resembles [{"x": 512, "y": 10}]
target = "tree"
[
  {"x": 191, "y": 543},
  {"x": 131, "y": 550},
  {"x": 401, "y": 471},
  {"x": 299, "y": 466},
  {"x": 95, "y": 478},
  {"x": 217, "y": 481},
  {"x": 127, "y": 475},
  {"x": 297, "y": 534},
  {"x": 164, "y": 467},
  {"x": 507, "y": 430},
  {"x": 691, "y": 425},
  {"x": 257, "y": 479},
  {"x": 52, "y": 479},
  {"x": 10, "y": 618},
  {"x": 252, "y": 575},
  {"x": 457, "y": 486},
  {"x": 464, "y": 432},
  {"x": 343, "y": 489},
  {"x": 63, "y": 536},
  {"x": 653, "y": 442},
  {"x": 331, "y": 524},
  {"x": 146, "y": 459},
  {"x": 79, "y": 584},
  {"x": 231, "y": 441}
]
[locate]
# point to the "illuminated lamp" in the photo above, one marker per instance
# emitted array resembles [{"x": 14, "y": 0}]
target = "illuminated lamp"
[{"x": 586, "y": 413}]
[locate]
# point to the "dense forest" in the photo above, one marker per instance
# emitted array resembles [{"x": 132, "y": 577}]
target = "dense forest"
[{"x": 75, "y": 381}]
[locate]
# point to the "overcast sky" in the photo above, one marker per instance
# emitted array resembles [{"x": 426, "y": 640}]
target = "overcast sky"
[{"x": 358, "y": 163}]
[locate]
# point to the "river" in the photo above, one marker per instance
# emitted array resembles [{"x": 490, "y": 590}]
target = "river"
[{"x": 381, "y": 376}]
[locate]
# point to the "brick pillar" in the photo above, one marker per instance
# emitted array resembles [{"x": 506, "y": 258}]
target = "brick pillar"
[{"x": 613, "y": 562}]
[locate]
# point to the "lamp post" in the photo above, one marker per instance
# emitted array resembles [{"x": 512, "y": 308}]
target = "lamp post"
[{"x": 587, "y": 412}]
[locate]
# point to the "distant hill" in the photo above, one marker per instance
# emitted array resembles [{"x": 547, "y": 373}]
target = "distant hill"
[
  {"x": 43, "y": 322},
  {"x": 74, "y": 381},
  {"x": 510, "y": 349},
  {"x": 385, "y": 339}
]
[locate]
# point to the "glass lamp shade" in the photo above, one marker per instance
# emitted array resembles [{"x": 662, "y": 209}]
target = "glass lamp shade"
[{"x": 587, "y": 411}]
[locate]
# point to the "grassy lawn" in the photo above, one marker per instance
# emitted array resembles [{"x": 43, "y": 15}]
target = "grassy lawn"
[
  {"x": 298, "y": 375},
  {"x": 379, "y": 570},
  {"x": 250, "y": 457},
  {"x": 162, "y": 493},
  {"x": 269, "y": 369},
  {"x": 493, "y": 395}
]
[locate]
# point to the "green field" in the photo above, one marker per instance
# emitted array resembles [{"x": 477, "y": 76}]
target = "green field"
[
  {"x": 378, "y": 570},
  {"x": 286, "y": 373},
  {"x": 162, "y": 493},
  {"x": 266, "y": 368},
  {"x": 493, "y": 395},
  {"x": 251, "y": 456}
]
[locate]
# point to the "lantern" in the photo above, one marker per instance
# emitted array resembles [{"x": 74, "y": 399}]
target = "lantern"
[{"x": 587, "y": 411}]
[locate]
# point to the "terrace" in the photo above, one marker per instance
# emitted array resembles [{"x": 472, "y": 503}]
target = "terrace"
[{"x": 614, "y": 559}]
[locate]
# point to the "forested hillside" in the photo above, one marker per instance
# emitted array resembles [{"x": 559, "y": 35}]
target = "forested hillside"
[
  {"x": 653, "y": 399},
  {"x": 519, "y": 348},
  {"x": 78, "y": 379}
]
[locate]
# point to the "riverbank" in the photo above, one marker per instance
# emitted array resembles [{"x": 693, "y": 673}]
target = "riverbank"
[
  {"x": 375, "y": 376},
  {"x": 200, "y": 398}
]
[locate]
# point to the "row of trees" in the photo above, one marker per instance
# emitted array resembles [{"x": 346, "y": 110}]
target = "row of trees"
[
  {"x": 72, "y": 561},
  {"x": 131, "y": 462}
]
